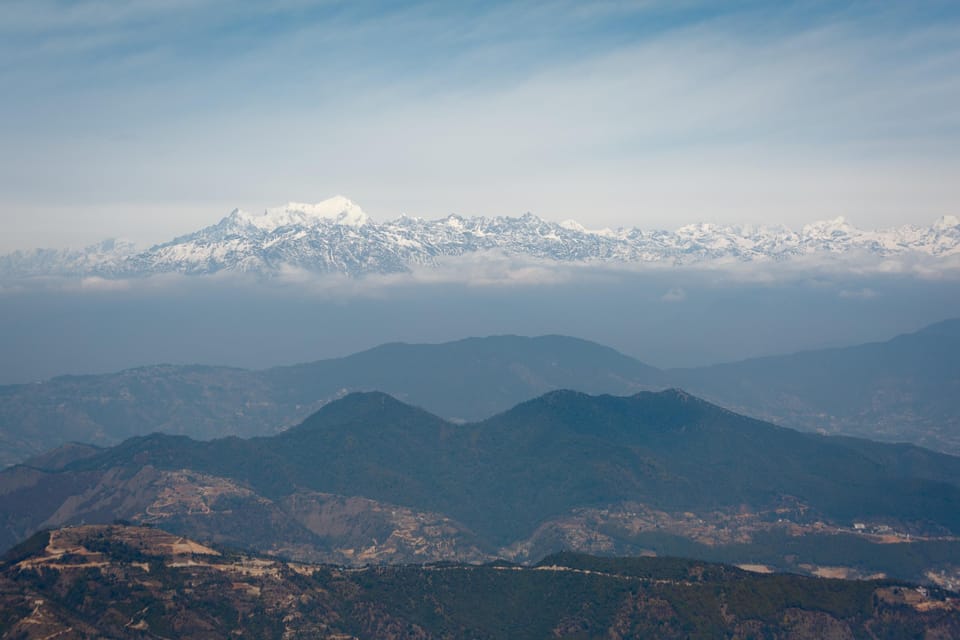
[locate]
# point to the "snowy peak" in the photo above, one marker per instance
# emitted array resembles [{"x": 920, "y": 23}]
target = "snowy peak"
[
  {"x": 946, "y": 223},
  {"x": 573, "y": 225},
  {"x": 337, "y": 210},
  {"x": 576, "y": 227},
  {"x": 121, "y": 246},
  {"x": 336, "y": 236},
  {"x": 829, "y": 229}
]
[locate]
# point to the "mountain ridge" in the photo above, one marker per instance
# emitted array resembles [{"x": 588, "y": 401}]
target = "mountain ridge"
[
  {"x": 903, "y": 389},
  {"x": 369, "y": 478},
  {"x": 336, "y": 236},
  {"x": 145, "y": 582}
]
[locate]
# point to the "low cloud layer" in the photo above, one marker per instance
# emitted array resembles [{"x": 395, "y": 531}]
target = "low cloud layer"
[
  {"x": 499, "y": 270},
  {"x": 236, "y": 320}
]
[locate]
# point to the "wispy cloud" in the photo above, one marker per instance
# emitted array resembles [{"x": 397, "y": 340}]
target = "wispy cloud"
[
  {"x": 675, "y": 294},
  {"x": 496, "y": 270},
  {"x": 865, "y": 293},
  {"x": 613, "y": 113}
]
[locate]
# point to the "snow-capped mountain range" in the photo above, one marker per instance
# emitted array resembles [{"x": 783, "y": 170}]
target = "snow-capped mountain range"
[{"x": 336, "y": 236}]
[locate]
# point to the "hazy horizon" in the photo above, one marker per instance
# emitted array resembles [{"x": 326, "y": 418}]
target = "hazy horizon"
[{"x": 666, "y": 320}]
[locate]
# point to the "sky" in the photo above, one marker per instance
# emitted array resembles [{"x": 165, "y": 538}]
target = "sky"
[{"x": 146, "y": 119}]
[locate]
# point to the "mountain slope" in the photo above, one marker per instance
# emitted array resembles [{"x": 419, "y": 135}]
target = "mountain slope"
[
  {"x": 467, "y": 379},
  {"x": 563, "y": 470},
  {"x": 336, "y": 236},
  {"x": 131, "y": 582},
  {"x": 906, "y": 388},
  {"x": 472, "y": 378},
  {"x": 674, "y": 451}
]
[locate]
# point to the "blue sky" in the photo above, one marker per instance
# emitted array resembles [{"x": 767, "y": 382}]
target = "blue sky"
[{"x": 145, "y": 119}]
